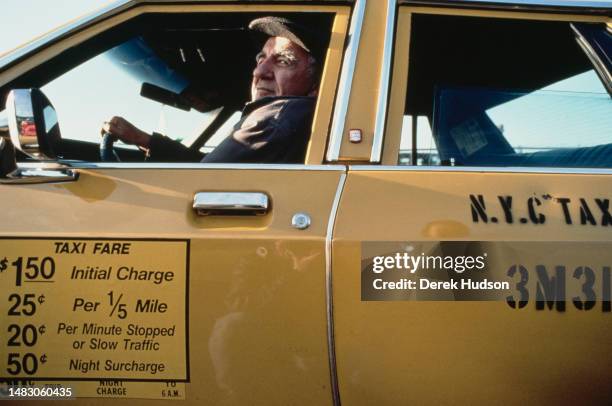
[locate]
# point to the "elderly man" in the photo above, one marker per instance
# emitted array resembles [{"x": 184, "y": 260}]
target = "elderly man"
[{"x": 275, "y": 124}]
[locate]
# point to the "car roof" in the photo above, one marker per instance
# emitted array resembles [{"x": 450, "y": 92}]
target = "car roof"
[{"x": 118, "y": 6}]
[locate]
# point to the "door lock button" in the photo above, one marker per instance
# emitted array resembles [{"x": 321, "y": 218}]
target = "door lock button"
[{"x": 301, "y": 221}]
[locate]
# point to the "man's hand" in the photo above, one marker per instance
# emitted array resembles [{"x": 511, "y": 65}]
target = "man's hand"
[{"x": 126, "y": 132}]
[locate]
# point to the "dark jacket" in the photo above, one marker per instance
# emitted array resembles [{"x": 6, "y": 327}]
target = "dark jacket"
[{"x": 271, "y": 130}]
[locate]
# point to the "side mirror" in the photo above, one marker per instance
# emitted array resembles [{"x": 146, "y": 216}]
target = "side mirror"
[{"x": 32, "y": 123}]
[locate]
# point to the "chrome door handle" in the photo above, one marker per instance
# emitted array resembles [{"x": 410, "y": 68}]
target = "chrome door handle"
[
  {"x": 231, "y": 203},
  {"x": 28, "y": 176}
]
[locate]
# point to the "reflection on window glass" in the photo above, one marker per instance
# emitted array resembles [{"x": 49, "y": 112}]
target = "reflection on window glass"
[
  {"x": 558, "y": 116},
  {"x": 566, "y": 124},
  {"x": 485, "y": 127}
]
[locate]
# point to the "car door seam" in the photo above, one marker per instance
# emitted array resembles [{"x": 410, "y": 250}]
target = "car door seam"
[{"x": 329, "y": 291}]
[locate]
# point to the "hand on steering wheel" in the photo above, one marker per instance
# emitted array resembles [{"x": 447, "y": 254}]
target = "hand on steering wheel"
[
  {"x": 107, "y": 152},
  {"x": 119, "y": 128}
]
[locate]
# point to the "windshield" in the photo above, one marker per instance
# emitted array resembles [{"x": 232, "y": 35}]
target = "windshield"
[{"x": 119, "y": 74}]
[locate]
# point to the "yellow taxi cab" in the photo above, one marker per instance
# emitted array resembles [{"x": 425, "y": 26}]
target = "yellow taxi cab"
[{"x": 446, "y": 240}]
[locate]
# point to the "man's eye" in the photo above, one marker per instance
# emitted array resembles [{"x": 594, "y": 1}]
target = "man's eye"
[{"x": 284, "y": 62}]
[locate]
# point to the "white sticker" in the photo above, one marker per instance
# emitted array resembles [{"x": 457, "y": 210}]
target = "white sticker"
[{"x": 469, "y": 137}]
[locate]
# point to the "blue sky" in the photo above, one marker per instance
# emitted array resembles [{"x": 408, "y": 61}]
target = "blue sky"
[{"x": 41, "y": 15}]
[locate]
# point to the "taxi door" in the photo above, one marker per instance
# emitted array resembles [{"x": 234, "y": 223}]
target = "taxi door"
[
  {"x": 158, "y": 283},
  {"x": 458, "y": 282},
  {"x": 115, "y": 277}
]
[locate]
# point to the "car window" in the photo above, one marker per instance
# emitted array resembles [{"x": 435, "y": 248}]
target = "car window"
[
  {"x": 185, "y": 76},
  {"x": 501, "y": 92}
]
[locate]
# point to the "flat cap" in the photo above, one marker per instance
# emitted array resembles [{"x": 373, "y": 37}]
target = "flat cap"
[{"x": 305, "y": 37}]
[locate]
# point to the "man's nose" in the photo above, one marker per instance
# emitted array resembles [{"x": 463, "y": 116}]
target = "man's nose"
[{"x": 263, "y": 69}]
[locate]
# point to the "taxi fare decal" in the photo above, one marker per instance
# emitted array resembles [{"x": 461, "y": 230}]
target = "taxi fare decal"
[
  {"x": 534, "y": 210},
  {"x": 102, "y": 318}
]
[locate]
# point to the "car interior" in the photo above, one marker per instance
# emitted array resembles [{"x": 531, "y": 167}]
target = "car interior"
[{"x": 462, "y": 67}]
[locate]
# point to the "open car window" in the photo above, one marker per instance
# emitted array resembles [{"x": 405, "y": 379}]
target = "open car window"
[
  {"x": 505, "y": 93},
  {"x": 182, "y": 75}
]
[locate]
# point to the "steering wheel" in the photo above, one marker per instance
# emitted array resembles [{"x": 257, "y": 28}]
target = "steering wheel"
[{"x": 107, "y": 152}]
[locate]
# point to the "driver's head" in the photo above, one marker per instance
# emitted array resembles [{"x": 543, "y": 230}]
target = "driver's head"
[{"x": 286, "y": 64}]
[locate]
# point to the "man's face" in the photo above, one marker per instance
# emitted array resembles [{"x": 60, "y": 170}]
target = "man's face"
[{"x": 283, "y": 69}]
